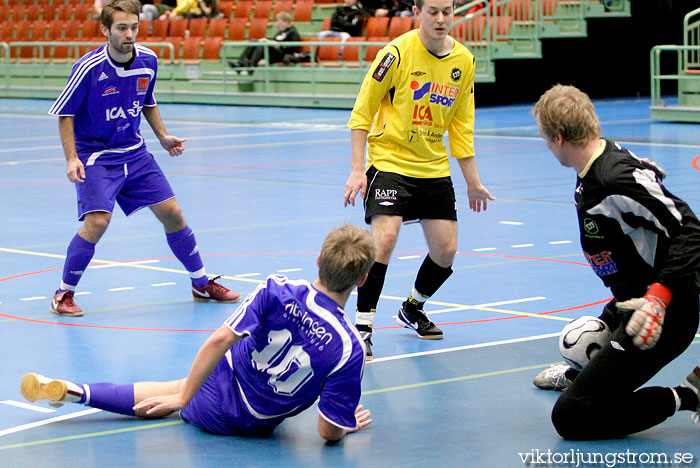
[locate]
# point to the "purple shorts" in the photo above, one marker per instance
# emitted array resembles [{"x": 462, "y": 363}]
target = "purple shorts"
[
  {"x": 134, "y": 185},
  {"x": 217, "y": 407}
]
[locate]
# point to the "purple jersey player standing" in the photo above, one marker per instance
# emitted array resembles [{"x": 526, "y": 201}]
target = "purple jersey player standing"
[
  {"x": 286, "y": 345},
  {"x": 99, "y": 117}
]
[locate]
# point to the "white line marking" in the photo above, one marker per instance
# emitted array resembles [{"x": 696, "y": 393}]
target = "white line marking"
[
  {"x": 461, "y": 348},
  {"x": 484, "y": 249},
  {"x": 19, "y": 404},
  {"x": 111, "y": 265},
  {"x": 34, "y": 298},
  {"x": 560, "y": 242},
  {"x": 288, "y": 270},
  {"x": 511, "y": 223},
  {"x": 82, "y": 293},
  {"x": 489, "y": 304},
  {"x": 163, "y": 284},
  {"x": 24, "y": 427},
  {"x": 519, "y": 246},
  {"x": 244, "y": 275},
  {"x": 407, "y": 257},
  {"x": 125, "y": 288}
]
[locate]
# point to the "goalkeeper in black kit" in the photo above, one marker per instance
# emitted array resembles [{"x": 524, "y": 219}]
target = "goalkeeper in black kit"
[{"x": 644, "y": 244}]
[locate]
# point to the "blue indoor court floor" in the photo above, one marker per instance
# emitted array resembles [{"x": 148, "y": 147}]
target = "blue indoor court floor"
[{"x": 261, "y": 187}]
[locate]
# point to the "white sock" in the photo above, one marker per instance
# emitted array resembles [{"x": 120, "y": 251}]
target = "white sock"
[{"x": 364, "y": 318}]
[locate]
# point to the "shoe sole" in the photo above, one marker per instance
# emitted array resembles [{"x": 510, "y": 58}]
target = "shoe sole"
[
  {"x": 66, "y": 314},
  {"x": 32, "y": 389},
  {"x": 425, "y": 337},
  {"x": 208, "y": 299}
]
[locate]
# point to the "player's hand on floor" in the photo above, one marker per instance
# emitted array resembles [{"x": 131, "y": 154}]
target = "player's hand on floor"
[
  {"x": 646, "y": 322},
  {"x": 479, "y": 197},
  {"x": 159, "y": 406},
  {"x": 362, "y": 418}
]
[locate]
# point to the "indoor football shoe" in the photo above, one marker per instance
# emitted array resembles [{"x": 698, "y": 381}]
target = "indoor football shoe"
[
  {"x": 366, "y": 334},
  {"x": 62, "y": 304},
  {"x": 419, "y": 322},
  {"x": 693, "y": 382},
  {"x": 215, "y": 292},
  {"x": 553, "y": 378}
]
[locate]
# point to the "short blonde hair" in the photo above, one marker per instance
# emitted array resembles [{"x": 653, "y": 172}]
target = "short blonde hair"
[
  {"x": 346, "y": 255},
  {"x": 568, "y": 111},
  {"x": 283, "y": 16}
]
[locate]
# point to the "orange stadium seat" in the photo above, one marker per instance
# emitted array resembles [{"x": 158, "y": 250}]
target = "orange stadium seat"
[
  {"x": 303, "y": 10},
  {"x": 242, "y": 10},
  {"x": 236, "y": 29},
  {"x": 177, "y": 28},
  {"x": 330, "y": 52},
  {"x": 263, "y": 9},
  {"x": 351, "y": 53},
  {"x": 217, "y": 28},
  {"x": 284, "y": 6},
  {"x": 371, "y": 51},
  {"x": 258, "y": 28},
  {"x": 198, "y": 27},
  {"x": 226, "y": 8},
  {"x": 377, "y": 26},
  {"x": 159, "y": 29},
  {"x": 190, "y": 51},
  {"x": 398, "y": 26},
  {"x": 212, "y": 48}
]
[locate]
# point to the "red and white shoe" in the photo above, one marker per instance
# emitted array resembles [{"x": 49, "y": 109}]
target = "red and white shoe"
[
  {"x": 63, "y": 304},
  {"x": 215, "y": 292}
]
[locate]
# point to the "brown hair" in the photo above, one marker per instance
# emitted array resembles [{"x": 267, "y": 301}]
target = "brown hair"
[
  {"x": 568, "y": 111},
  {"x": 346, "y": 255},
  {"x": 127, "y": 6}
]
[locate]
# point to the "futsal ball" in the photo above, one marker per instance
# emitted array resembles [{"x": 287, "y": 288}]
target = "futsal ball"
[{"x": 581, "y": 339}]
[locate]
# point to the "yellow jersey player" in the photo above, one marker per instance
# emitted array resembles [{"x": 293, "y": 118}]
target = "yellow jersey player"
[{"x": 419, "y": 86}]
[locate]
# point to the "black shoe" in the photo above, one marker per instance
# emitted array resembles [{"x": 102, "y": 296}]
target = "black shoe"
[
  {"x": 234, "y": 64},
  {"x": 418, "y": 320},
  {"x": 366, "y": 334}
]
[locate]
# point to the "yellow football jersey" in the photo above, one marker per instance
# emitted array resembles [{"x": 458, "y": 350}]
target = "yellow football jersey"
[{"x": 408, "y": 99}]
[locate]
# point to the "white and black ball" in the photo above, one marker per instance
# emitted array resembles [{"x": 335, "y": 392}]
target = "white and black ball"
[{"x": 581, "y": 339}]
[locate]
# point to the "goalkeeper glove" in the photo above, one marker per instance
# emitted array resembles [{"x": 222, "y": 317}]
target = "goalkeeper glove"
[{"x": 646, "y": 322}]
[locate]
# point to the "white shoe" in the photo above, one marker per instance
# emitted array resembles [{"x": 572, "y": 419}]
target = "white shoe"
[
  {"x": 553, "y": 378},
  {"x": 693, "y": 382},
  {"x": 35, "y": 387}
]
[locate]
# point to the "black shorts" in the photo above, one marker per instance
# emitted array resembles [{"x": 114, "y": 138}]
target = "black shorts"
[{"x": 412, "y": 198}]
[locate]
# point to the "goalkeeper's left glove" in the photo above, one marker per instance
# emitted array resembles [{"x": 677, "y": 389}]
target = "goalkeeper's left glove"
[{"x": 647, "y": 320}]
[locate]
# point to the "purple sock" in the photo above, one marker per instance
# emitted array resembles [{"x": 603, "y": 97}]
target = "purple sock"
[
  {"x": 78, "y": 257},
  {"x": 110, "y": 397},
  {"x": 184, "y": 246}
]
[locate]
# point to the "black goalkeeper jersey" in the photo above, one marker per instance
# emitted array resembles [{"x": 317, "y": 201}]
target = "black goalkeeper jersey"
[{"x": 634, "y": 232}]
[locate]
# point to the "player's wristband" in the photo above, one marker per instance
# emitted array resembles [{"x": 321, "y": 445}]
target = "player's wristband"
[{"x": 660, "y": 292}]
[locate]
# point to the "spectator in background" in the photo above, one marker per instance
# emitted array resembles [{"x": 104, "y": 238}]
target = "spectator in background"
[
  {"x": 402, "y": 8},
  {"x": 378, "y": 7},
  {"x": 345, "y": 22},
  {"x": 193, "y": 9},
  {"x": 253, "y": 56}
]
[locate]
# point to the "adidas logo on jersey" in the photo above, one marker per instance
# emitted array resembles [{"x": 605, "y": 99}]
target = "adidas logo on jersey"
[{"x": 103, "y": 76}]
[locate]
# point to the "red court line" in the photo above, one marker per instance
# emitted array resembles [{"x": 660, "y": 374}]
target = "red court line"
[
  {"x": 695, "y": 162},
  {"x": 13, "y": 317}
]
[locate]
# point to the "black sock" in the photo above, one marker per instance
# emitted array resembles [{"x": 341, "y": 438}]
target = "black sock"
[
  {"x": 689, "y": 400},
  {"x": 368, "y": 294},
  {"x": 431, "y": 276}
]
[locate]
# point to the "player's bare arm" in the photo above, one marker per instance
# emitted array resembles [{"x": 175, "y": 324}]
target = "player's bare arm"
[
  {"x": 477, "y": 193},
  {"x": 357, "y": 182},
  {"x": 209, "y": 355},
  {"x": 75, "y": 171},
  {"x": 172, "y": 144}
]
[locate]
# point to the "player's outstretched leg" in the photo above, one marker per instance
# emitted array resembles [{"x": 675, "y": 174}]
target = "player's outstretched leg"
[{"x": 35, "y": 387}]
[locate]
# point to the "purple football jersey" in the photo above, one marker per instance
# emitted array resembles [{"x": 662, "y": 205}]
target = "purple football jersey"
[
  {"x": 300, "y": 345},
  {"x": 105, "y": 100}
]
